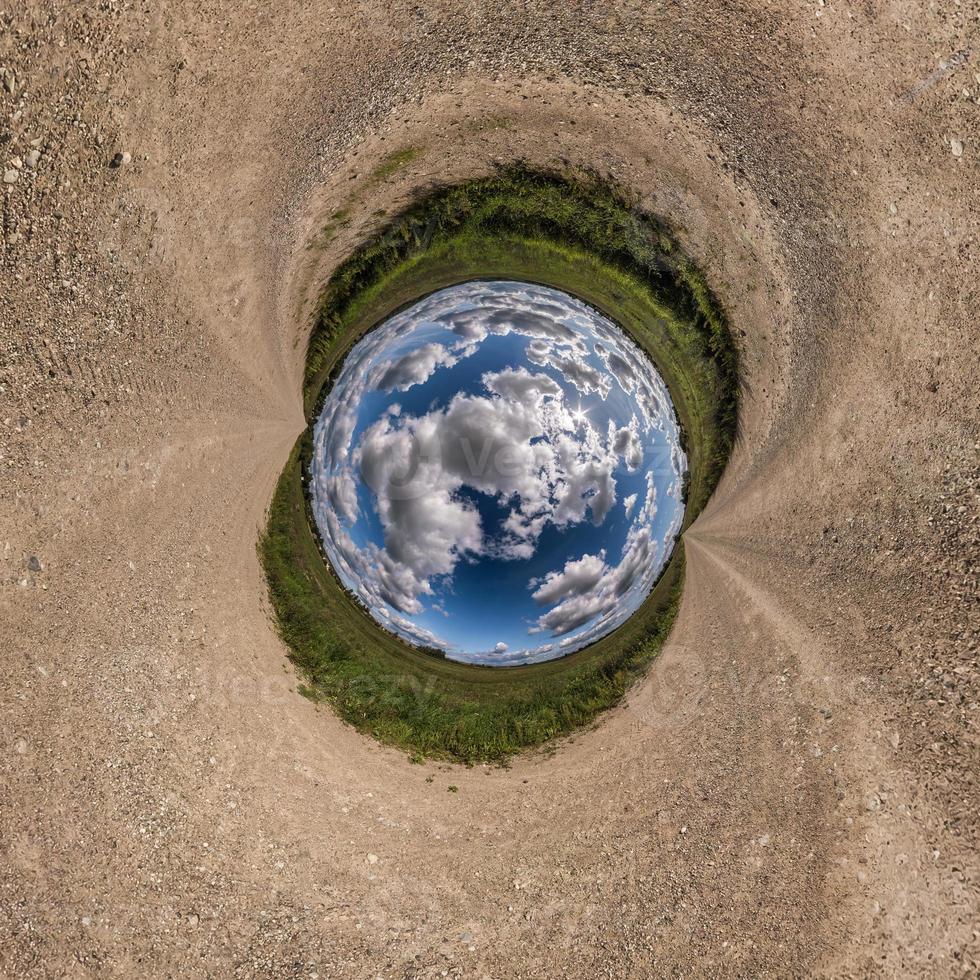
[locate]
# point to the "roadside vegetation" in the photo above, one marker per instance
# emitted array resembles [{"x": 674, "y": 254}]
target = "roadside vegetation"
[{"x": 573, "y": 232}]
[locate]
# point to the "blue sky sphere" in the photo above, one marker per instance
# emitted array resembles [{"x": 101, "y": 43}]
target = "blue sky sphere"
[{"x": 497, "y": 473}]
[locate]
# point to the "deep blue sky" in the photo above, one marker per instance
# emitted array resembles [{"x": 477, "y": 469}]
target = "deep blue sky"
[{"x": 472, "y": 469}]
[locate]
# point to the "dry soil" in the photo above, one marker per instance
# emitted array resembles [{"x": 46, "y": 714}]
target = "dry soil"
[{"x": 792, "y": 791}]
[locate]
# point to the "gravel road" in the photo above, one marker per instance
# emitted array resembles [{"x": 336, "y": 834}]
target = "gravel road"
[{"x": 793, "y": 790}]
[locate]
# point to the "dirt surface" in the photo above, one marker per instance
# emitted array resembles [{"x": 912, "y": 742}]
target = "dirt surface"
[{"x": 794, "y": 788}]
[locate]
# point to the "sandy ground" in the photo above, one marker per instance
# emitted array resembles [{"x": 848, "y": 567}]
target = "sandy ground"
[{"x": 792, "y": 791}]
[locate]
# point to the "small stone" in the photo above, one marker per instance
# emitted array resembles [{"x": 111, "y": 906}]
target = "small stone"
[
  {"x": 372, "y": 859},
  {"x": 34, "y": 563},
  {"x": 874, "y": 802},
  {"x": 466, "y": 937},
  {"x": 32, "y": 158},
  {"x": 86, "y": 921},
  {"x": 192, "y": 919},
  {"x": 957, "y": 147},
  {"x": 10, "y": 176},
  {"x": 894, "y": 738},
  {"x": 121, "y": 159},
  {"x": 20, "y": 746}
]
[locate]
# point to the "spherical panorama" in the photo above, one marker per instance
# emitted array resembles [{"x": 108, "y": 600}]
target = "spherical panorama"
[{"x": 497, "y": 473}]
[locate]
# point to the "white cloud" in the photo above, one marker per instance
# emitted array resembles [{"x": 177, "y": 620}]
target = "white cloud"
[
  {"x": 626, "y": 443},
  {"x": 589, "y": 588},
  {"x": 477, "y": 324},
  {"x": 571, "y": 365},
  {"x": 342, "y": 493},
  {"x": 618, "y": 366},
  {"x": 413, "y": 368},
  {"x": 522, "y": 386},
  {"x": 579, "y": 608},
  {"x": 518, "y": 445},
  {"x": 576, "y": 578},
  {"x": 427, "y": 527}
]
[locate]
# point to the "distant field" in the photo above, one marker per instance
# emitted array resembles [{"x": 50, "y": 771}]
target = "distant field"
[{"x": 578, "y": 235}]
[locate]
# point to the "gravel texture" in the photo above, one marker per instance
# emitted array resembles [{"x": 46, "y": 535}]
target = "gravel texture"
[{"x": 792, "y": 791}]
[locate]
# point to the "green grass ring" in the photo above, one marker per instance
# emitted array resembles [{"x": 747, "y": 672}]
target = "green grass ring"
[{"x": 574, "y": 232}]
